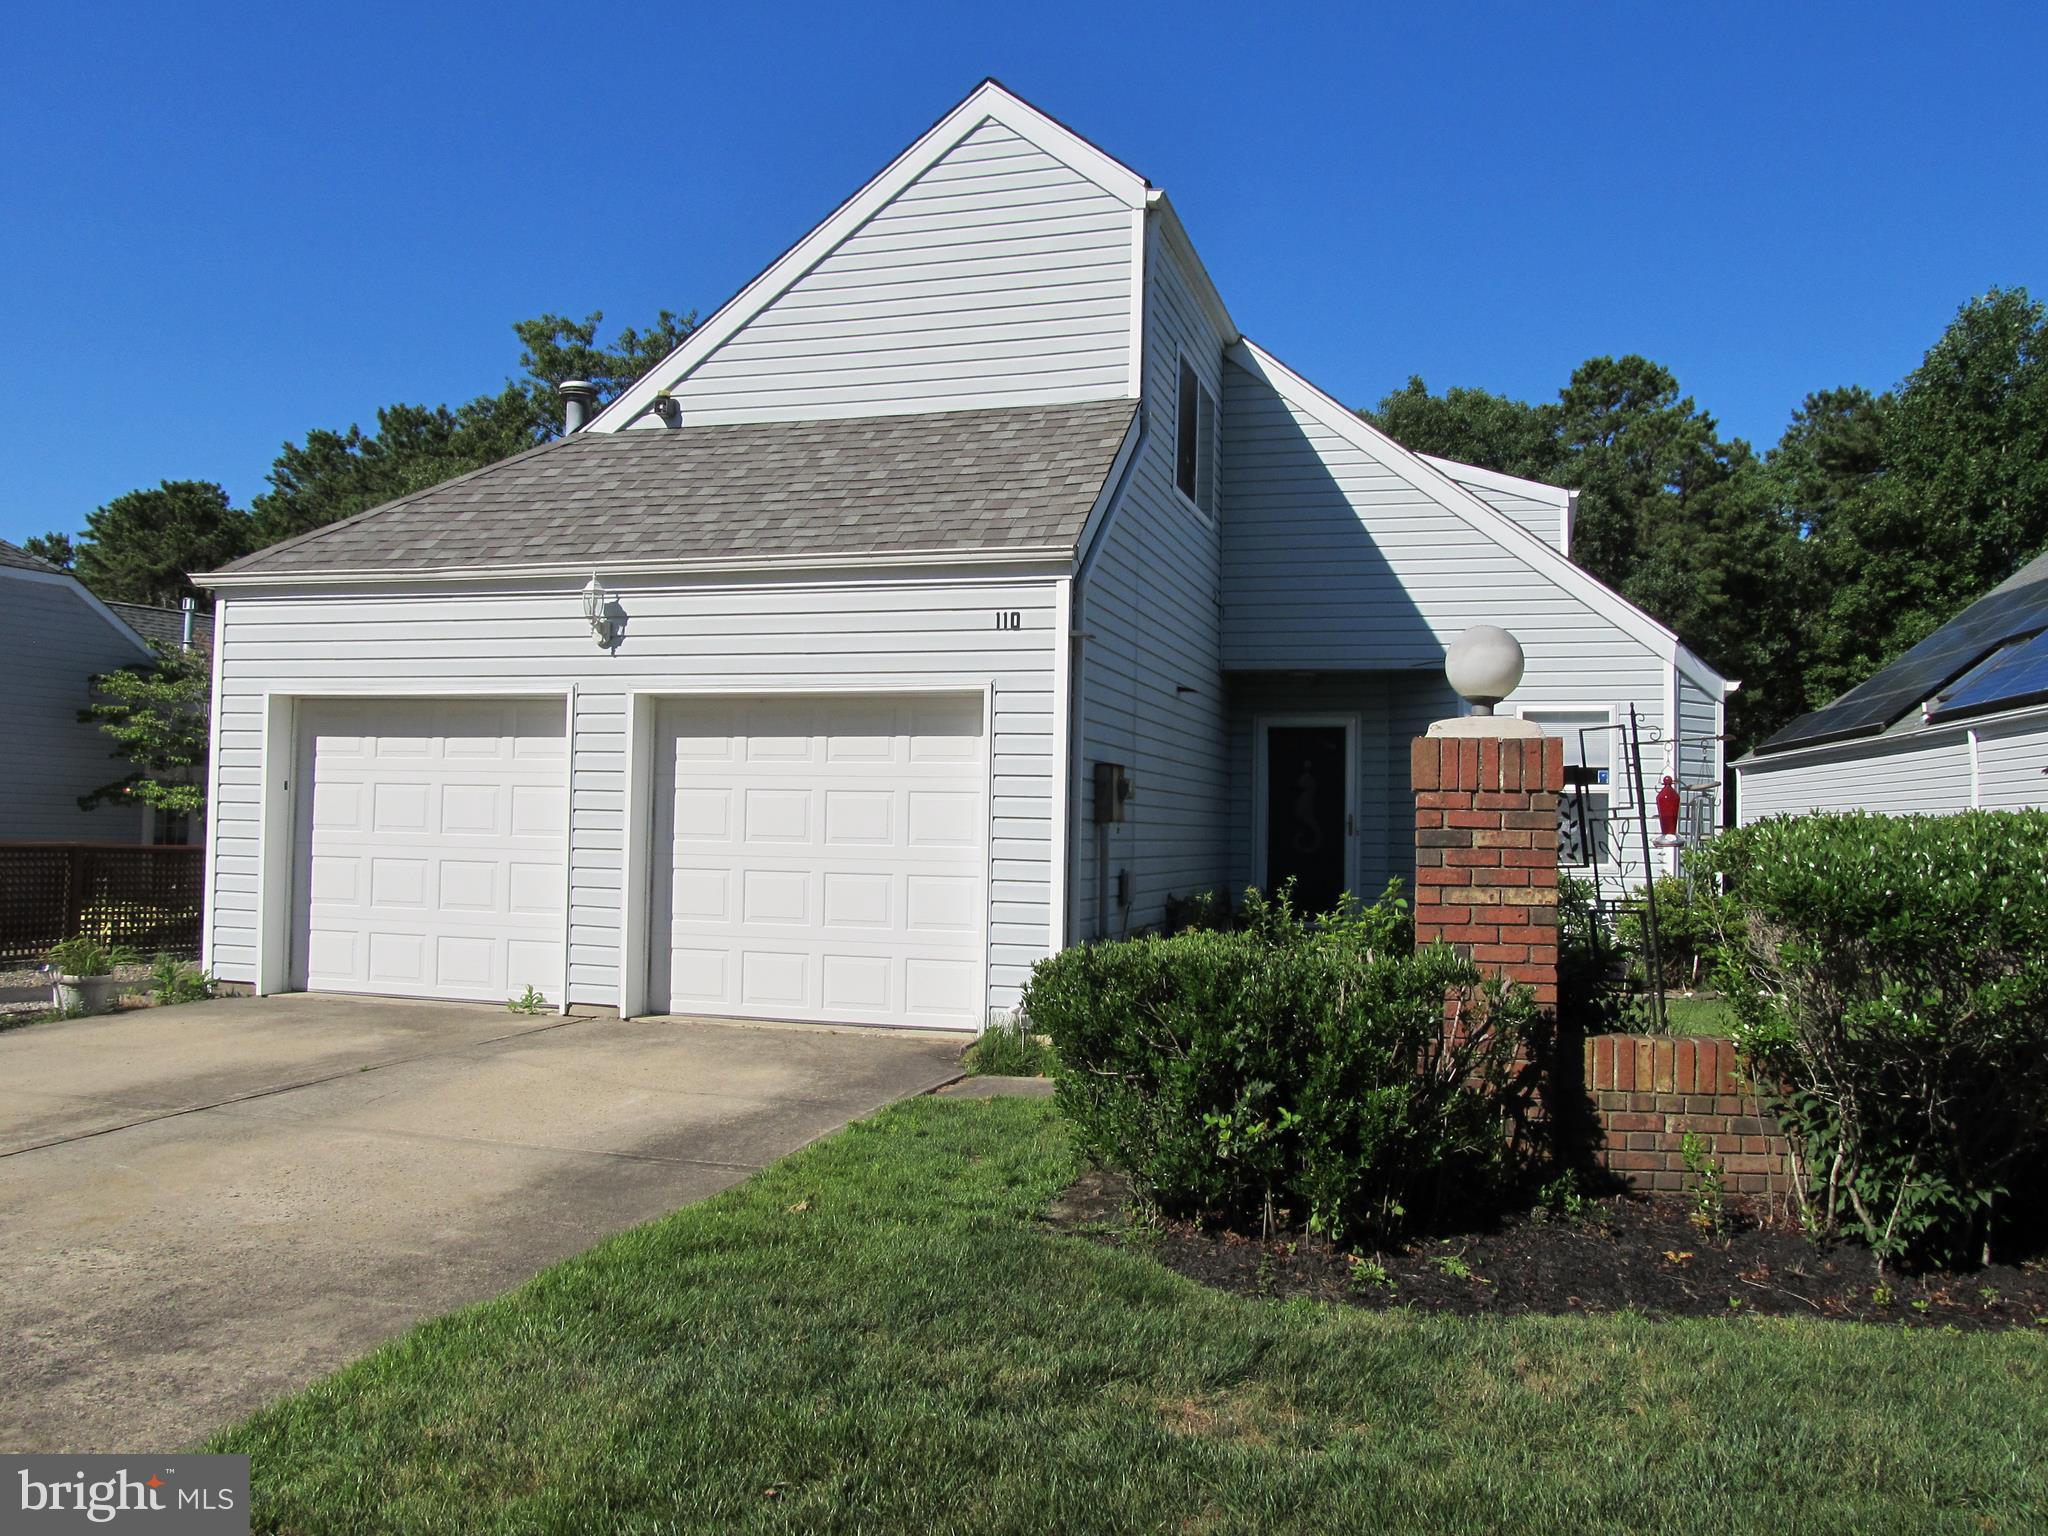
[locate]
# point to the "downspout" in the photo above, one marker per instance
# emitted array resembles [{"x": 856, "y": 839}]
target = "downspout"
[{"x": 1076, "y": 646}]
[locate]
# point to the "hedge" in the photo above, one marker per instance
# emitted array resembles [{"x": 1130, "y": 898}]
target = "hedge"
[{"x": 1892, "y": 972}]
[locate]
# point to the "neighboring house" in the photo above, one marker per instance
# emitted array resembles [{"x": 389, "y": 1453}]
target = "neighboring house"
[
  {"x": 1958, "y": 722},
  {"x": 55, "y": 636},
  {"x": 967, "y": 586},
  {"x": 172, "y": 629}
]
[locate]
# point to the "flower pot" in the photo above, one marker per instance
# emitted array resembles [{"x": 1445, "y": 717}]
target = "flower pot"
[{"x": 85, "y": 994}]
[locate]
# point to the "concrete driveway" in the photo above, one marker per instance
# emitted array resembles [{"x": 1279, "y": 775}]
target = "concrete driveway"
[{"x": 207, "y": 1206}]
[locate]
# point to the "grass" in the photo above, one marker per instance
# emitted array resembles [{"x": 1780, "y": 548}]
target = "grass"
[
  {"x": 1701, "y": 1014},
  {"x": 878, "y": 1335}
]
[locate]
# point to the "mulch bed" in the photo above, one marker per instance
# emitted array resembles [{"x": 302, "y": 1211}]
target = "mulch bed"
[{"x": 1625, "y": 1252}]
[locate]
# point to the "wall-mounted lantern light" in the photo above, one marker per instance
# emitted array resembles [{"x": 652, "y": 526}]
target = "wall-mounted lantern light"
[{"x": 597, "y": 611}]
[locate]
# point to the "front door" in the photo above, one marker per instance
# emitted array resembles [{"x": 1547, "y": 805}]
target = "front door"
[{"x": 1305, "y": 811}]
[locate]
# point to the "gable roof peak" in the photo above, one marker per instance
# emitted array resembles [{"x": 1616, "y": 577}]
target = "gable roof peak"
[{"x": 990, "y": 101}]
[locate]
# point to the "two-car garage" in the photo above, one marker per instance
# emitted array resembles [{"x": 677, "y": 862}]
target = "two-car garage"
[{"x": 809, "y": 857}]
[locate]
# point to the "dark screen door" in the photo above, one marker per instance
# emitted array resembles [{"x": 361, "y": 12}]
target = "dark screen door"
[{"x": 1305, "y": 813}]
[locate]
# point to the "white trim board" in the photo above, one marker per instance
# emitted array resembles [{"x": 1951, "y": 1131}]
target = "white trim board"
[
  {"x": 212, "y": 855},
  {"x": 1454, "y": 498},
  {"x": 987, "y": 102},
  {"x": 1514, "y": 485},
  {"x": 1053, "y": 559}
]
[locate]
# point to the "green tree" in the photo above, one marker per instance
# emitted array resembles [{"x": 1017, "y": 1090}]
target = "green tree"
[
  {"x": 1473, "y": 426},
  {"x": 558, "y": 348},
  {"x": 157, "y": 714},
  {"x": 53, "y": 547},
  {"x": 139, "y": 547},
  {"x": 1961, "y": 499},
  {"x": 335, "y": 474}
]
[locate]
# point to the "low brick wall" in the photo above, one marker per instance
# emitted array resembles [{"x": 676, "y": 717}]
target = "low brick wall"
[{"x": 1647, "y": 1091}]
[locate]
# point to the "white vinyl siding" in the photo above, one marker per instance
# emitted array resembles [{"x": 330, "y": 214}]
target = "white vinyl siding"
[
  {"x": 1542, "y": 518},
  {"x": 1335, "y": 560},
  {"x": 1927, "y": 772},
  {"x": 54, "y": 642},
  {"x": 2012, "y": 764},
  {"x": 844, "y": 636},
  {"x": 1151, "y": 684},
  {"x": 1000, "y": 276},
  {"x": 1700, "y": 759},
  {"x": 1928, "y": 775}
]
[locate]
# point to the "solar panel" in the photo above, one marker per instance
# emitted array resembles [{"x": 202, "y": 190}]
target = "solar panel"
[
  {"x": 2019, "y": 608},
  {"x": 2018, "y": 675}
]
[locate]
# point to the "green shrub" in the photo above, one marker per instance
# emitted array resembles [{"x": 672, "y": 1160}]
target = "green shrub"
[
  {"x": 1687, "y": 931},
  {"x": 1591, "y": 962},
  {"x": 1294, "y": 1065},
  {"x": 1205, "y": 911},
  {"x": 1892, "y": 972}
]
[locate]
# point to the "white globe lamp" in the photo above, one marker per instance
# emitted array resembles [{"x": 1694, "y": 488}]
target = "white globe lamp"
[{"x": 1484, "y": 665}]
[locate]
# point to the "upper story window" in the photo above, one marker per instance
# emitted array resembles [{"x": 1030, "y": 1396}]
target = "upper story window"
[{"x": 1194, "y": 442}]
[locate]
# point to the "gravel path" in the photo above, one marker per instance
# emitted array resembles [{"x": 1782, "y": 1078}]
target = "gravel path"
[{"x": 27, "y": 990}]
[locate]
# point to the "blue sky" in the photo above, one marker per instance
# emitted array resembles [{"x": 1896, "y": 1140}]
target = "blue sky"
[{"x": 225, "y": 225}]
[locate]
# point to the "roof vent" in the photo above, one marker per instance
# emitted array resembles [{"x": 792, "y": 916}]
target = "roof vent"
[{"x": 578, "y": 397}]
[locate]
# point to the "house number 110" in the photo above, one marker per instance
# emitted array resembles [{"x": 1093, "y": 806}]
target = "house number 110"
[{"x": 1009, "y": 620}]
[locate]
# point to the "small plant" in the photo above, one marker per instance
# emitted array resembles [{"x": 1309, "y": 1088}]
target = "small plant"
[
  {"x": 1881, "y": 1296},
  {"x": 171, "y": 981},
  {"x": 1454, "y": 1265},
  {"x": 1564, "y": 1198},
  {"x": 1369, "y": 1274},
  {"x": 530, "y": 1001},
  {"x": 1709, "y": 1201},
  {"x": 1010, "y": 1049},
  {"x": 88, "y": 957}
]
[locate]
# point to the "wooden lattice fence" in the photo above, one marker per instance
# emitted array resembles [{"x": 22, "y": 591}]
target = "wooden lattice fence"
[{"x": 147, "y": 898}]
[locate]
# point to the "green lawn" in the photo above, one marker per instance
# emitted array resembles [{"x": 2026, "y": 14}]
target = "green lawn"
[
  {"x": 1702, "y": 1015},
  {"x": 876, "y": 1335}
]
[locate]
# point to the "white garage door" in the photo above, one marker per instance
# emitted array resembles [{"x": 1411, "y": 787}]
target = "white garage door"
[
  {"x": 430, "y": 853},
  {"x": 826, "y": 860}
]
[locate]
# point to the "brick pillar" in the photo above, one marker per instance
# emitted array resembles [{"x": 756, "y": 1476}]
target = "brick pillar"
[{"x": 1486, "y": 793}]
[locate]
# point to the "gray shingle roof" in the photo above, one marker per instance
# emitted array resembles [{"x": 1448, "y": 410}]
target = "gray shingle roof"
[
  {"x": 15, "y": 558},
  {"x": 166, "y": 626},
  {"x": 1017, "y": 479}
]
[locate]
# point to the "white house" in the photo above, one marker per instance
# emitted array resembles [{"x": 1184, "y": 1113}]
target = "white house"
[
  {"x": 1959, "y": 722},
  {"x": 966, "y": 586},
  {"x": 56, "y": 635}
]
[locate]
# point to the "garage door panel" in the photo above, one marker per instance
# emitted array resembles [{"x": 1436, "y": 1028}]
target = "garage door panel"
[
  {"x": 430, "y": 860},
  {"x": 825, "y": 859}
]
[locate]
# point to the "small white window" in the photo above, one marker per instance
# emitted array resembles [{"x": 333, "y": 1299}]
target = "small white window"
[
  {"x": 1596, "y": 778},
  {"x": 1194, "y": 444}
]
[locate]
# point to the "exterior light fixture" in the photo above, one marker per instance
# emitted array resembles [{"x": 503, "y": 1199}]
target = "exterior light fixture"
[
  {"x": 1484, "y": 665},
  {"x": 597, "y": 611}
]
